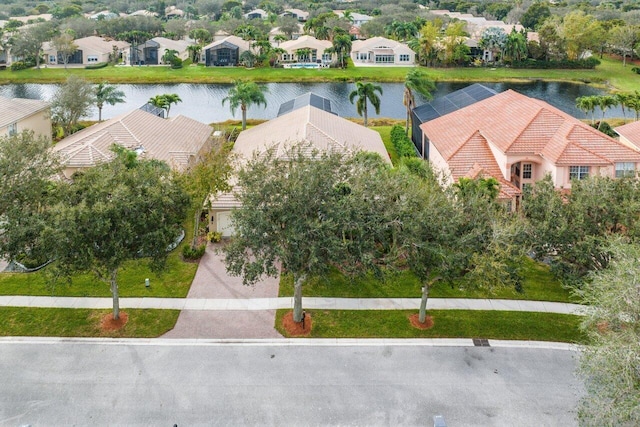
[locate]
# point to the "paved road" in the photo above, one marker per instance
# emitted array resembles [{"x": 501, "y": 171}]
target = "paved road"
[{"x": 198, "y": 383}]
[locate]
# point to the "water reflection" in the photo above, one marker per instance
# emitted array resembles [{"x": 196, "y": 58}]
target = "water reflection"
[{"x": 203, "y": 102}]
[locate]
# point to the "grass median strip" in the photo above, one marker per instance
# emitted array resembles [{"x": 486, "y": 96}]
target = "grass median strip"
[
  {"x": 69, "y": 322},
  {"x": 508, "y": 325}
]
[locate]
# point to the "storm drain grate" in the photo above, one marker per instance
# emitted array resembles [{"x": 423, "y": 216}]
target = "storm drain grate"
[{"x": 481, "y": 342}]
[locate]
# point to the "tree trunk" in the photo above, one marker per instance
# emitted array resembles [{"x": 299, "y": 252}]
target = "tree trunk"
[
  {"x": 298, "y": 280},
  {"x": 423, "y": 303},
  {"x": 364, "y": 111},
  {"x": 114, "y": 294},
  {"x": 99, "y": 114},
  {"x": 244, "y": 117}
]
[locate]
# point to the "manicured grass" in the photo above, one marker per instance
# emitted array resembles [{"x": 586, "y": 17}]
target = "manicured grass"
[
  {"x": 385, "y": 134},
  {"x": 70, "y": 322},
  {"x": 539, "y": 285},
  {"x": 506, "y": 325},
  {"x": 610, "y": 71}
]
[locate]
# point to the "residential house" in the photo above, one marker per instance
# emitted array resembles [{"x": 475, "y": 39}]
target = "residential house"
[
  {"x": 91, "y": 50},
  {"x": 143, "y": 12},
  {"x": 152, "y": 51},
  {"x": 518, "y": 140},
  {"x": 630, "y": 134},
  {"x": 257, "y": 14},
  {"x": 298, "y": 14},
  {"x": 178, "y": 141},
  {"x": 172, "y": 12},
  {"x": 224, "y": 52},
  {"x": 381, "y": 51},
  {"x": 307, "y": 49},
  {"x": 18, "y": 114},
  {"x": 357, "y": 19},
  {"x": 104, "y": 14},
  {"x": 277, "y": 32},
  {"x": 321, "y": 129}
]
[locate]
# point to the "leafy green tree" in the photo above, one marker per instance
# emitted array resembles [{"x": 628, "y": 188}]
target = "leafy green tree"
[
  {"x": 428, "y": 45},
  {"x": 581, "y": 32},
  {"x": 494, "y": 39},
  {"x": 201, "y": 35},
  {"x": 248, "y": 58},
  {"x": 29, "y": 43},
  {"x": 624, "y": 38},
  {"x": 243, "y": 94},
  {"x": 26, "y": 190},
  {"x": 65, "y": 47},
  {"x": 535, "y": 15},
  {"x": 417, "y": 81},
  {"x": 114, "y": 212},
  {"x": 366, "y": 92},
  {"x": 72, "y": 101},
  {"x": 304, "y": 213},
  {"x": 516, "y": 48},
  {"x": 107, "y": 94},
  {"x": 609, "y": 364}
]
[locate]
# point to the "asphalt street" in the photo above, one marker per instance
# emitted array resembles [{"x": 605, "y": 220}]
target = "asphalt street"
[{"x": 167, "y": 382}]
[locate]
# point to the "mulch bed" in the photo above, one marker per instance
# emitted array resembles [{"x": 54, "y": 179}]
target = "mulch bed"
[
  {"x": 415, "y": 322},
  {"x": 295, "y": 329},
  {"x": 108, "y": 324}
]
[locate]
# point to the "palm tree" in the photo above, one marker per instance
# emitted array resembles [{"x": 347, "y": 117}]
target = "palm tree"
[
  {"x": 418, "y": 81},
  {"x": 633, "y": 103},
  {"x": 366, "y": 92},
  {"x": 107, "y": 94},
  {"x": 244, "y": 94},
  {"x": 171, "y": 98},
  {"x": 588, "y": 105},
  {"x": 605, "y": 102},
  {"x": 169, "y": 55},
  {"x": 194, "y": 52},
  {"x": 342, "y": 46},
  {"x": 621, "y": 100}
]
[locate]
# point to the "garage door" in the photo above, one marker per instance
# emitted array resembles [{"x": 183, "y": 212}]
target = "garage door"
[{"x": 224, "y": 223}]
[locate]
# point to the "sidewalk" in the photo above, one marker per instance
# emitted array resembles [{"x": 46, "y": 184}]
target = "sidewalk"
[{"x": 309, "y": 303}]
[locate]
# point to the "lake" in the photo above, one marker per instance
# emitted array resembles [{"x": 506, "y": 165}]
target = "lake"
[{"x": 203, "y": 102}]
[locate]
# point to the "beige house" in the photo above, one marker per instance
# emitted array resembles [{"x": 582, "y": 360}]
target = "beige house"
[
  {"x": 630, "y": 134},
  {"x": 17, "y": 115},
  {"x": 380, "y": 51},
  {"x": 178, "y": 141},
  {"x": 307, "y": 49},
  {"x": 91, "y": 50},
  {"x": 518, "y": 140},
  {"x": 320, "y": 129}
]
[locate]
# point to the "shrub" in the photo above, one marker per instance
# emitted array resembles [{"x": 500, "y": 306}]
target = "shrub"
[
  {"x": 176, "y": 63},
  {"x": 187, "y": 62},
  {"x": 605, "y": 128},
  {"x": 96, "y": 66},
  {"x": 636, "y": 70},
  {"x": 589, "y": 63},
  {"x": 21, "y": 65},
  {"x": 401, "y": 142},
  {"x": 191, "y": 253},
  {"x": 214, "y": 236}
]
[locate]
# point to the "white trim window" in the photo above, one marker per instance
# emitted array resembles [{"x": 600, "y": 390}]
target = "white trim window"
[
  {"x": 526, "y": 170},
  {"x": 92, "y": 58},
  {"x": 362, "y": 56},
  {"x": 578, "y": 172},
  {"x": 404, "y": 57},
  {"x": 12, "y": 129},
  {"x": 625, "y": 170}
]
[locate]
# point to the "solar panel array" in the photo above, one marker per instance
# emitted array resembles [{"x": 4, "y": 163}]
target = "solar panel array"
[{"x": 304, "y": 100}]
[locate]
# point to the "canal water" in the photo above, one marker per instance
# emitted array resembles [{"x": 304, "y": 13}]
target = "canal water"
[{"x": 203, "y": 102}]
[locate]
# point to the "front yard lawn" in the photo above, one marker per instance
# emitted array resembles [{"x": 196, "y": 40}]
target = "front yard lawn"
[
  {"x": 506, "y": 325},
  {"x": 72, "y": 322},
  {"x": 539, "y": 285}
]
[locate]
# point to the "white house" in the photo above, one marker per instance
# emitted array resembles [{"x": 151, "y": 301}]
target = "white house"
[
  {"x": 381, "y": 51},
  {"x": 307, "y": 49}
]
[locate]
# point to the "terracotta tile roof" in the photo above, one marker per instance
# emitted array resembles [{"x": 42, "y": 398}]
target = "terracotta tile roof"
[
  {"x": 323, "y": 130},
  {"x": 630, "y": 131},
  {"x": 516, "y": 124},
  {"x": 15, "y": 109},
  {"x": 176, "y": 141}
]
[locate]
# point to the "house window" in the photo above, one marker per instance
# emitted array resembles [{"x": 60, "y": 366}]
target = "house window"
[
  {"x": 12, "y": 128},
  {"x": 625, "y": 169},
  {"x": 384, "y": 59},
  {"x": 52, "y": 58},
  {"x": 578, "y": 172},
  {"x": 526, "y": 171},
  {"x": 92, "y": 58},
  {"x": 326, "y": 57},
  {"x": 404, "y": 58}
]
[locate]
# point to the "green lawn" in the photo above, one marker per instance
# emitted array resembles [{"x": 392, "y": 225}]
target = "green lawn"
[
  {"x": 610, "y": 71},
  {"x": 506, "y": 325},
  {"x": 385, "y": 134},
  {"x": 539, "y": 285},
  {"x": 70, "y": 322}
]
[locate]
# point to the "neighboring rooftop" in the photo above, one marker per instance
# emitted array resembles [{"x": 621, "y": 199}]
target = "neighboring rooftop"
[
  {"x": 453, "y": 101},
  {"x": 15, "y": 109},
  {"x": 176, "y": 141},
  {"x": 304, "y": 100},
  {"x": 631, "y": 133}
]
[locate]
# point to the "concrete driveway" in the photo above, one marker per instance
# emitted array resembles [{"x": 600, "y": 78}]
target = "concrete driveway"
[{"x": 212, "y": 281}]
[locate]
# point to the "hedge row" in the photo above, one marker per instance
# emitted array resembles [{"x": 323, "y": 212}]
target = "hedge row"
[
  {"x": 401, "y": 142},
  {"x": 589, "y": 63}
]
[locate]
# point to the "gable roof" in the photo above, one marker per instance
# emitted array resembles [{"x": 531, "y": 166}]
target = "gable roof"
[
  {"x": 630, "y": 131},
  {"x": 323, "y": 130},
  {"x": 379, "y": 43},
  {"x": 306, "y": 42},
  {"x": 179, "y": 45},
  {"x": 15, "y": 109},
  {"x": 175, "y": 141},
  {"x": 98, "y": 44},
  {"x": 516, "y": 124}
]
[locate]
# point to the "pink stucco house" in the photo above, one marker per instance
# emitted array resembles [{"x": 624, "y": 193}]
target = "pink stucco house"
[{"x": 518, "y": 140}]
